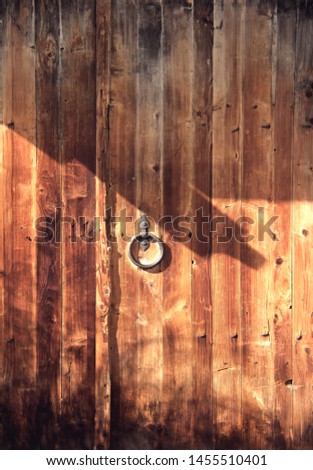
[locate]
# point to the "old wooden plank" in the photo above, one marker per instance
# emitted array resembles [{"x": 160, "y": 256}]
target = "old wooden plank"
[
  {"x": 2, "y": 340},
  {"x": 201, "y": 205},
  {"x": 229, "y": 20},
  {"x": 102, "y": 390},
  {"x": 20, "y": 362},
  {"x": 78, "y": 115},
  {"x": 121, "y": 201},
  {"x": 2, "y": 15},
  {"x": 283, "y": 98},
  {"x": 178, "y": 401},
  {"x": 300, "y": 382},
  {"x": 257, "y": 255},
  {"x": 7, "y": 329},
  {"x": 48, "y": 212},
  {"x": 149, "y": 124}
]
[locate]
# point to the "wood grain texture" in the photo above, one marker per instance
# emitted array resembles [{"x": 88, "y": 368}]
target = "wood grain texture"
[
  {"x": 201, "y": 205},
  {"x": 257, "y": 194},
  {"x": 178, "y": 408},
  {"x": 283, "y": 100},
  {"x": 20, "y": 359},
  {"x": 122, "y": 197},
  {"x": 102, "y": 373},
  {"x": 175, "y": 109},
  {"x": 78, "y": 115},
  {"x": 229, "y": 21},
  {"x": 301, "y": 384},
  {"x": 149, "y": 155},
  {"x": 49, "y": 203},
  {"x": 2, "y": 340}
]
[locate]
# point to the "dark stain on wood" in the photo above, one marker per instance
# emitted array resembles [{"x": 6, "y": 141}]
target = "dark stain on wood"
[
  {"x": 150, "y": 29},
  {"x": 306, "y": 8}
]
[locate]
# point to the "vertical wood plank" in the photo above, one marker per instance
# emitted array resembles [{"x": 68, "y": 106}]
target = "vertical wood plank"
[
  {"x": 2, "y": 340},
  {"x": 257, "y": 255},
  {"x": 301, "y": 381},
  {"x": 102, "y": 390},
  {"x": 201, "y": 205},
  {"x": 20, "y": 362},
  {"x": 122, "y": 197},
  {"x": 6, "y": 438},
  {"x": 229, "y": 20},
  {"x": 78, "y": 114},
  {"x": 149, "y": 124},
  {"x": 48, "y": 210},
  {"x": 178, "y": 400},
  {"x": 283, "y": 98}
]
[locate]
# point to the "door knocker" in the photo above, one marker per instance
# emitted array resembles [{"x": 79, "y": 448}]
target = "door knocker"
[{"x": 143, "y": 242}]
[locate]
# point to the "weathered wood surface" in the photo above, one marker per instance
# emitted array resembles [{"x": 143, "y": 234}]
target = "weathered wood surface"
[
  {"x": 175, "y": 109},
  {"x": 225, "y": 271},
  {"x": 257, "y": 203},
  {"x": 2, "y": 319},
  {"x": 179, "y": 402},
  {"x": 281, "y": 304},
  {"x": 78, "y": 161},
  {"x": 201, "y": 292},
  {"x": 48, "y": 185},
  {"x": 149, "y": 201},
  {"x": 102, "y": 372},
  {"x": 121, "y": 200},
  {"x": 19, "y": 380},
  {"x": 300, "y": 383}
]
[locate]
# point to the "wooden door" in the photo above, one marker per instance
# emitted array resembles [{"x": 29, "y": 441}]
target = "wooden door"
[{"x": 197, "y": 114}]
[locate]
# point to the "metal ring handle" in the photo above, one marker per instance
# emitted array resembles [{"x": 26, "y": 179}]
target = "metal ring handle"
[{"x": 152, "y": 238}]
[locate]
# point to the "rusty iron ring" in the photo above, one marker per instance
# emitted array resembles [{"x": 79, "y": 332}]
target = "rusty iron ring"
[{"x": 151, "y": 239}]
